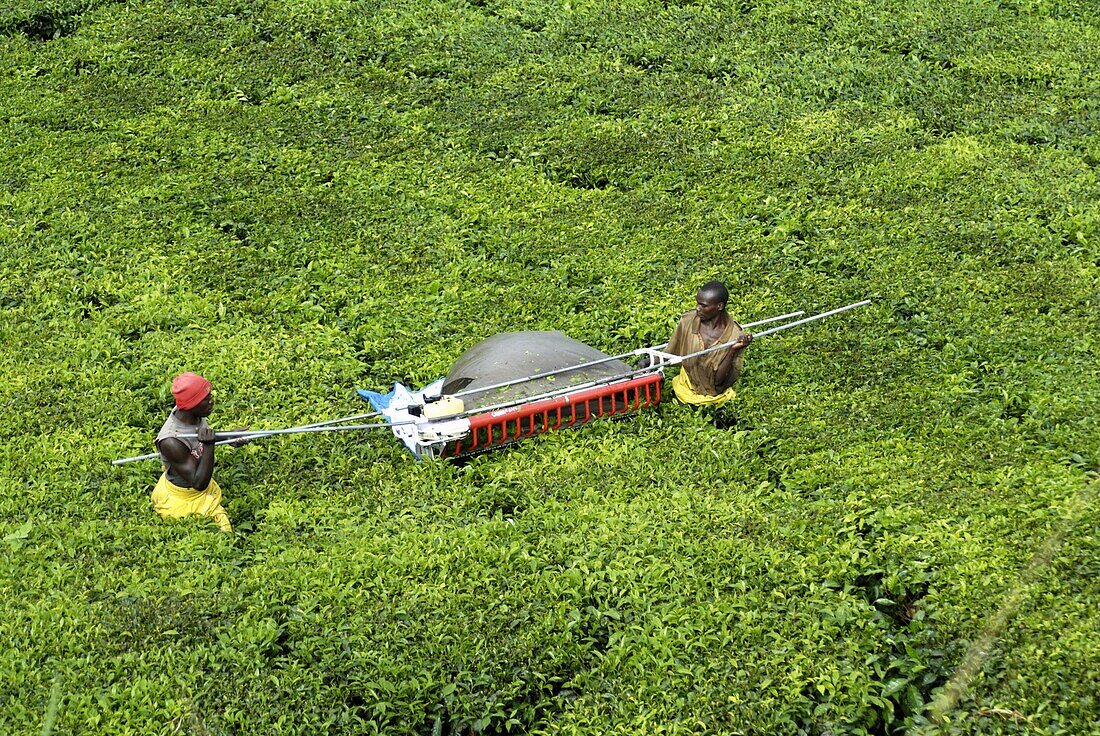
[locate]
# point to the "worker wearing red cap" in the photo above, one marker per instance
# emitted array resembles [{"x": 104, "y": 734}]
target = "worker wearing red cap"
[{"x": 186, "y": 446}]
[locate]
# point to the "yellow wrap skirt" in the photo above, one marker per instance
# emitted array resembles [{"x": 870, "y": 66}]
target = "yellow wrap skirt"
[
  {"x": 681, "y": 386},
  {"x": 173, "y": 502}
]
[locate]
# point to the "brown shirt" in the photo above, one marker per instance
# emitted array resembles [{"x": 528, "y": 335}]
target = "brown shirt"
[{"x": 703, "y": 370}]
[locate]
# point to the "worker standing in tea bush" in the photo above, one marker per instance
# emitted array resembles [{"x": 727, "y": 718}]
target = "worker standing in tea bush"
[
  {"x": 187, "y": 486},
  {"x": 708, "y": 379}
]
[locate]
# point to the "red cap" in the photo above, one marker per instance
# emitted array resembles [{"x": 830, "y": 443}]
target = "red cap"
[{"x": 190, "y": 389}]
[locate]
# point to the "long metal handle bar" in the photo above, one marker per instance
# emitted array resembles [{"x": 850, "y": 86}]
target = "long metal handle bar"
[
  {"x": 557, "y": 371},
  {"x": 799, "y": 313},
  {"x": 234, "y": 436},
  {"x": 676, "y": 360},
  {"x": 768, "y": 320},
  {"x": 151, "y": 455},
  {"x": 259, "y": 434},
  {"x": 225, "y": 438}
]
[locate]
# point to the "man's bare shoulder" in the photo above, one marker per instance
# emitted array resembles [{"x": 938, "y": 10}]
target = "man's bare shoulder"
[{"x": 174, "y": 449}]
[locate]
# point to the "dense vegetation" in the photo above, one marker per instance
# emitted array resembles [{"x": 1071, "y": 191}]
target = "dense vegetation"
[{"x": 301, "y": 197}]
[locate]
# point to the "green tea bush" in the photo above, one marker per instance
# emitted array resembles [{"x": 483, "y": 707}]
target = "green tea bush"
[
  {"x": 889, "y": 531},
  {"x": 46, "y": 20}
]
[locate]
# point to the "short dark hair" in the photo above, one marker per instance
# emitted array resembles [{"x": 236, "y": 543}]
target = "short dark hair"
[{"x": 717, "y": 290}]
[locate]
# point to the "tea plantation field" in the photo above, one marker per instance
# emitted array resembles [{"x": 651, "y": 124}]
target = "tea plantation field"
[{"x": 893, "y": 529}]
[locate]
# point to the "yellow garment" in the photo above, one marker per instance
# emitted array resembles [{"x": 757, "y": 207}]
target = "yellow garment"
[
  {"x": 681, "y": 386},
  {"x": 174, "y": 502}
]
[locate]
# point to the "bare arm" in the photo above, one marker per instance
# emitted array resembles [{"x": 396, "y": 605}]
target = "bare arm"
[{"x": 197, "y": 472}]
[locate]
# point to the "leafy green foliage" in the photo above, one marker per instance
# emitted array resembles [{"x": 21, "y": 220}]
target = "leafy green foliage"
[{"x": 302, "y": 197}]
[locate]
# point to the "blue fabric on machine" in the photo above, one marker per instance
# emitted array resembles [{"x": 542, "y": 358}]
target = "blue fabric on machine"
[{"x": 380, "y": 402}]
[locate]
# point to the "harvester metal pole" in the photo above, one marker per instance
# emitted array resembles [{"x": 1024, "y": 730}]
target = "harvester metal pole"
[
  {"x": 799, "y": 313},
  {"x": 814, "y": 318},
  {"x": 259, "y": 434},
  {"x": 234, "y": 436},
  {"x": 788, "y": 315},
  {"x": 681, "y": 358}
]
